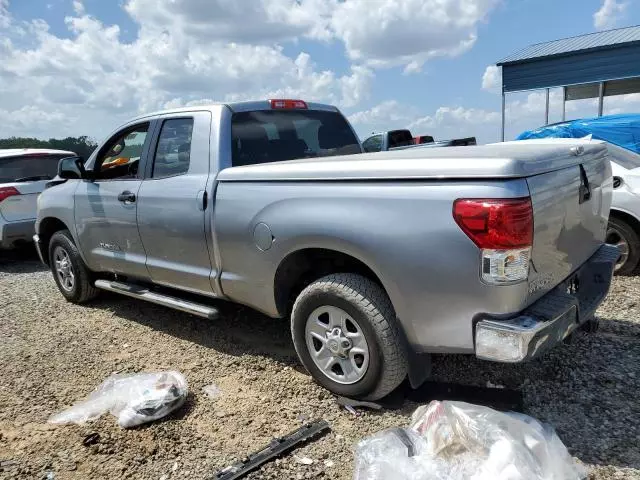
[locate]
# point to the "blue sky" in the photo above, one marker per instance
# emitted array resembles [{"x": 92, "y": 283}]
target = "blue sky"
[{"x": 81, "y": 67}]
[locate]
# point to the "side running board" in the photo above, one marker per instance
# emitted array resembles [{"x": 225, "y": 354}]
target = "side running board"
[{"x": 135, "y": 291}]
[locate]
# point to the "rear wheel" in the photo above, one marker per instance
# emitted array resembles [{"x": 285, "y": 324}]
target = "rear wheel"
[
  {"x": 345, "y": 333},
  {"x": 621, "y": 234},
  {"x": 69, "y": 271}
]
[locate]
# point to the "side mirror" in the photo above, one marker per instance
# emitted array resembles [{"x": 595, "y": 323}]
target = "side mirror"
[{"x": 72, "y": 168}]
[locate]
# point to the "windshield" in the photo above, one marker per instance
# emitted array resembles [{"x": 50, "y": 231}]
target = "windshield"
[
  {"x": 25, "y": 167},
  {"x": 623, "y": 157},
  {"x": 274, "y": 135}
]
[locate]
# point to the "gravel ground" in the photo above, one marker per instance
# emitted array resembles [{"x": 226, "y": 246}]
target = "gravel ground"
[{"x": 53, "y": 353}]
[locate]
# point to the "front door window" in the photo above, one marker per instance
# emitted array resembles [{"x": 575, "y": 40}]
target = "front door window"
[{"x": 120, "y": 158}]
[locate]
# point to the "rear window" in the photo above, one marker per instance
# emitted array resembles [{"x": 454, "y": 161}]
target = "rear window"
[
  {"x": 623, "y": 157},
  {"x": 400, "y": 138},
  {"x": 275, "y": 135},
  {"x": 26, "y": 168}
]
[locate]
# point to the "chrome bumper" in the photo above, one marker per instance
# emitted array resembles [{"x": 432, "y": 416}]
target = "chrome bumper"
[
  {"x": 551, "y": 319},
  {"x": 38, "y": 245}
]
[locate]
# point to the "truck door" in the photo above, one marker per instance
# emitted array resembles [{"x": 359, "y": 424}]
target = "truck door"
[
  {"x": 105, "y": 208},
  {"x": 173, "y": 202}
]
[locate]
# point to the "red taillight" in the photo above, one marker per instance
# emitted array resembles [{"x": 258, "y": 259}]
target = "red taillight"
[
  {"x": 496, "y": 223},
  {"x": 6, "y": 192},
  {"x": 283, "y": 104}
]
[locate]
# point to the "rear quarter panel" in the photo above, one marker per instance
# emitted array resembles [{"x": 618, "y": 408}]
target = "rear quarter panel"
[{"x": 404, "y": 231}]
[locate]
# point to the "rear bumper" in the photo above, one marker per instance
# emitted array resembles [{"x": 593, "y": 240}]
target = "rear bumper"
[
  {"x": 551, "y": 319},
  {"x": 15, "y": 232}
]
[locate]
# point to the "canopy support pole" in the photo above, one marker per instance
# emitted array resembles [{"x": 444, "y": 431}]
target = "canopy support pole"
[
  {"x": 546, "y": 107},
  {"x": 503, "y": 108},
  {"x": 600, "y": 99}
]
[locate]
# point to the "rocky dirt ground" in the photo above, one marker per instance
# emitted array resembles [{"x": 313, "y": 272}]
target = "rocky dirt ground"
[{"x": 53, "y": 353}]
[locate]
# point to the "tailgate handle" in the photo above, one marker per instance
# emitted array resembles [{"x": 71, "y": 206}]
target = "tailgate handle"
[{"x": 584, "y": 191}]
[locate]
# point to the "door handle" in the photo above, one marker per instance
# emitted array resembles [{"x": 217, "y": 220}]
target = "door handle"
[
  {"x": 127, "y": 197},
  {"x": 584, "y": 192}
]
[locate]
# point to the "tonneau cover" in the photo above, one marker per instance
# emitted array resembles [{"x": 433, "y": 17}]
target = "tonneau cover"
[{"x": 507, "y": 160}]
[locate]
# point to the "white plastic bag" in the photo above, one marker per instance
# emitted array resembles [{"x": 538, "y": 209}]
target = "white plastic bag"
[
  {"x": 134, "y": 399},
  {"x": 461, "y": 441}
]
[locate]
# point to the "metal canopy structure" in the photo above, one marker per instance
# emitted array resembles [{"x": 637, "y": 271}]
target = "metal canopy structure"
[{"x": 595, "y": 65}]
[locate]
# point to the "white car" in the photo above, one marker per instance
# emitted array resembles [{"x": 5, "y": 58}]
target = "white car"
[
  {"x": 24, "y": 173},
  {"x": 624, "y": 220}
]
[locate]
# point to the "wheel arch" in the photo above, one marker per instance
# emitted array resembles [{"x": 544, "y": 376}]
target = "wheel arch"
[
  {"x": 626, "y": 217},
  {"x": 303, "y": 266},
  {"x": 46, "y": 228}
]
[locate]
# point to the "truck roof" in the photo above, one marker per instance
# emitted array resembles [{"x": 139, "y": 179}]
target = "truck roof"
[
  {"x": 14, "y": 152},
  {"x": 233, "y": 106}
]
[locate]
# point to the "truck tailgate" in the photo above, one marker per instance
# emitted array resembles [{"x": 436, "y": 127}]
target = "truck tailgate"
[{"x": 570, "y": 214}]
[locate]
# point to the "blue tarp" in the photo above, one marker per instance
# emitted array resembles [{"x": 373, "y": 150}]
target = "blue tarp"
[{"x": 622, "y": 130}]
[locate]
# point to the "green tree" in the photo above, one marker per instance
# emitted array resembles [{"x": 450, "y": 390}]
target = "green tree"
[{"x": 82, "y": 145}]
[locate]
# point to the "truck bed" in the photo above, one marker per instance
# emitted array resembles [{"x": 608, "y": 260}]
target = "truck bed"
[
  {"x": 364, "y": 204},
  {"x": 470, "y": 162}
]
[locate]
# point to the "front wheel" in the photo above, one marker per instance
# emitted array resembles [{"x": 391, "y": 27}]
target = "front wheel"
[
  {"x": 345, "y": 332},
  {"x": 622, "y": 235},
  {"x": 69, "y": 271}
]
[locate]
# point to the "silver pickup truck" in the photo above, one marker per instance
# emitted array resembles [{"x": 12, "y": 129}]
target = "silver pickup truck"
[{"x": 378, "y": 259}]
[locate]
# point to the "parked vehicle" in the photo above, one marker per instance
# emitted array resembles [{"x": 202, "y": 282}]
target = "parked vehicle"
[
  {"x": 419, "y": 139},
  {"x": 623, "y": 134},
  {"x": 393, "y": 139},
  {"x": 454, "y": 142},
  {"x": 377, "y": 259},
  {"x": 402, "y": 139},
  {"x": 423, "y": 139},
  {"x": 23, "y": 175}
]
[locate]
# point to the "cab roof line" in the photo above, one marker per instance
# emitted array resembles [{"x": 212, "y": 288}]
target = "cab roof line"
[{"x": 233, "y": 106}]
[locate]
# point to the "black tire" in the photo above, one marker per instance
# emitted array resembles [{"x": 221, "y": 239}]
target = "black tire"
[
  {"x": 620, "y": 231},
  {"x": 82, "y": 289},
  {"x": 368, "y": 304}
]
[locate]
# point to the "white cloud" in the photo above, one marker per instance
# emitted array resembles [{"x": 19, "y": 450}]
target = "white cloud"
[
  {"x": 5, "y": 18},
  {"x": 387, "y": 115},
  {"x": 609, "y": 15},
  {"x": 412, "y": 67},
  {"x": 234, "y": 21},
  {"x": 78, "y": 7},
  {"x": 185, "y": 51},
  {"x": 492, "y": 79},
  {"x": 97, "y": 78},
  {"x": 384, "y": 33},
  {"x": 31, "y": 119}
]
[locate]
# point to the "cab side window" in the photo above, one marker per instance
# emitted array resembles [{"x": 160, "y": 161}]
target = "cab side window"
[
  {"x": 372, "y": 144},
  {"x": 173, "y": 153},
  {"x": 120, "y": 158}
]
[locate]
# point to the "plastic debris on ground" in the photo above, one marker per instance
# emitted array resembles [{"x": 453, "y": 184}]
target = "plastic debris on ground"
[
  {"x": 303, "y": 460},
  {"x": 134, "y": 399},
  {"x": 461, "y": 441},
  {"x": 212, "y": 391}
]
